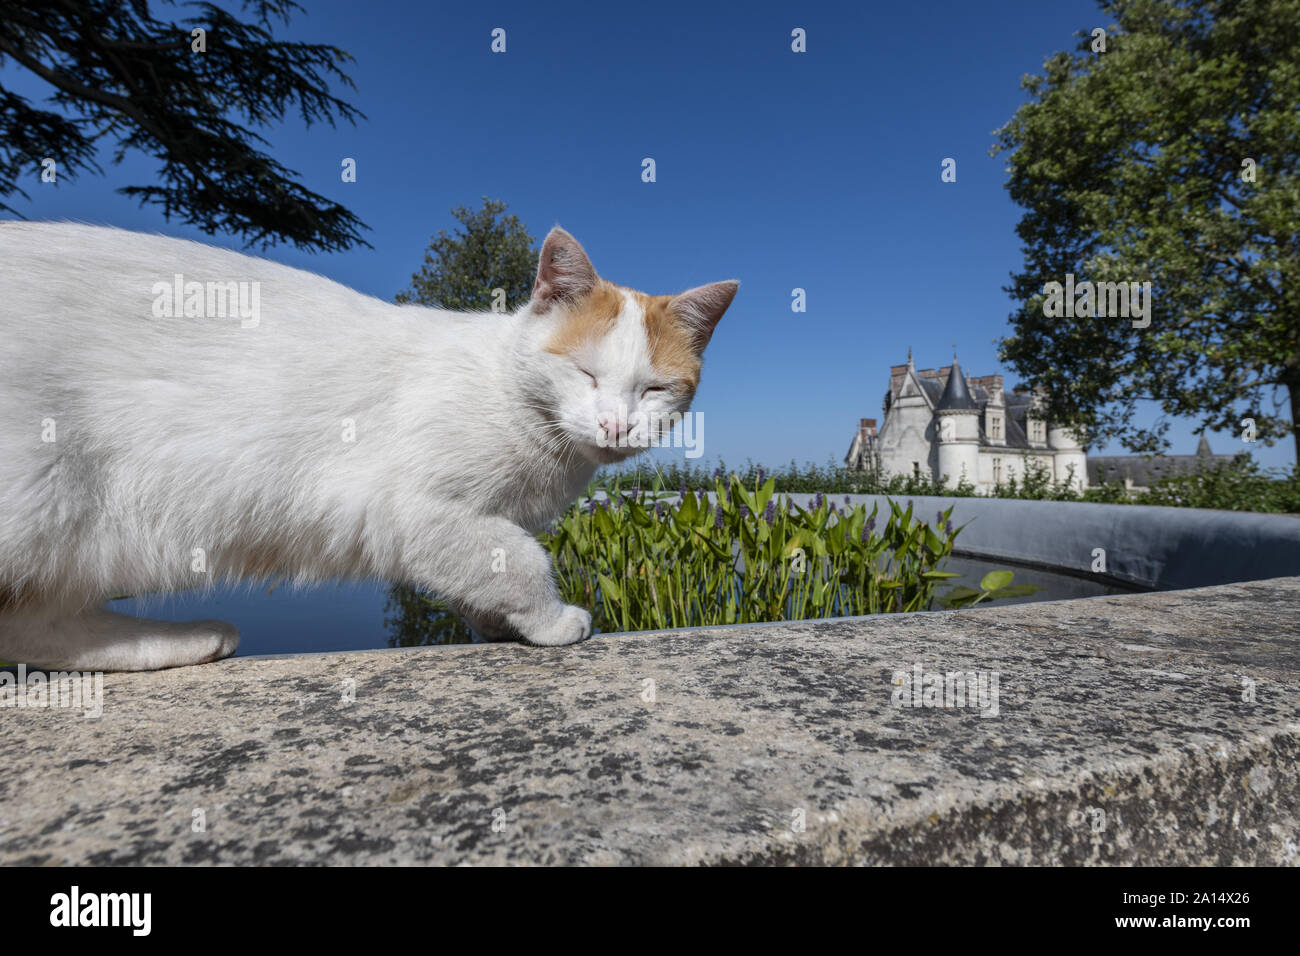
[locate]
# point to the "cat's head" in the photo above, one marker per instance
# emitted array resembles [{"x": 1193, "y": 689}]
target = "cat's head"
[{"x": 617, "y": 367}]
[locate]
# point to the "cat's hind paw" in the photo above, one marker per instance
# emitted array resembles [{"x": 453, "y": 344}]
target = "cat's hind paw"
[{"x": 571, "y": 625}]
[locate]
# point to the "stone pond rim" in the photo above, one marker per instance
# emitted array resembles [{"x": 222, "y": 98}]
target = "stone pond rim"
[{"x": 1155, "y": 728}]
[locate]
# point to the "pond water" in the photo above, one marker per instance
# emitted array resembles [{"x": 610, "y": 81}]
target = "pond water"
[{"x": 349, "y": 616}]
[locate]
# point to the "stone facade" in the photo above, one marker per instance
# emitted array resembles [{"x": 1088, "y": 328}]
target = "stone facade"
[{"x": 940, "y": 424}]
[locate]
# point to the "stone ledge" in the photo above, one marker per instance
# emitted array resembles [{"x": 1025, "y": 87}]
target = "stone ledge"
[{"x": 1125, "y": 706}]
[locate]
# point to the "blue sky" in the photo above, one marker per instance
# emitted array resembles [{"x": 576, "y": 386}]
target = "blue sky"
[{"x": 818, "y": 170}]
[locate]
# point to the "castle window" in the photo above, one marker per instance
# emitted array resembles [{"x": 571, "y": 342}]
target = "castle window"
[
  {"x": 995, "y": 427},
  {"x": 997, "y": 471},
  {"x": 916, "y": 469}
]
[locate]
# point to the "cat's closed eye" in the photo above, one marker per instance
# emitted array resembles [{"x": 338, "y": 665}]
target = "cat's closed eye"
[
  {"x": 594, "y": 383},
  {"x": 651, "y": 389}
]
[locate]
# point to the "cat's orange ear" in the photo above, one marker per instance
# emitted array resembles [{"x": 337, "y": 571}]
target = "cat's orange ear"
[
  {"x": 563, "y": 271},
  {"x": 700, "y": 309}
]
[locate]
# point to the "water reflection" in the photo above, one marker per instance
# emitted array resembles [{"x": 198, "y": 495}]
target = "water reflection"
[
  {"x": 348, "y": 616},
  {"x": 415, "y": 619}
]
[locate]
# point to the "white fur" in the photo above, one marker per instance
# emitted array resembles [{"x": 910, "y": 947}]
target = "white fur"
[{"x": 175, "y": 434}]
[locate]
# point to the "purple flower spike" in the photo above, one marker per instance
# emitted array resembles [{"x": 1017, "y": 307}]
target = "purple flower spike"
[
  {"x": 591, "y": 506},
  {"x": 659, "y": 509},
  {"x": 947, "y": 528},
  {"x": 820, "y": 499},
  {"x": 682, "y": 490},
  {"x": 847, "y": 503},
  {"x": 761, "y": 474},
  {"x": 769, "y": 513},
  {"x": 869, "y": 526},
  {"x": 717, "y": 518}
]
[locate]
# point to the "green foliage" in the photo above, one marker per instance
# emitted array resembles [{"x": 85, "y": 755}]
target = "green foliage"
[
  {"x": 1233, "y": 486},
  {"x": 792, "y": 478},
  {"x": 119, "y": 72},
  {"x": 492, "y": 250},
  {"x": 746, "y": 555},
  {"x": 1238, "y": 485},
  {"x": 646, "y": 561},
  {"x": 1130, "y": 166}
]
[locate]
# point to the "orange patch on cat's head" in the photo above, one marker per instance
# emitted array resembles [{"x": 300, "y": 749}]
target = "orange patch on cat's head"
[
  {"x": 587, "y": 319},
  {"x": 673, "y": 347}
]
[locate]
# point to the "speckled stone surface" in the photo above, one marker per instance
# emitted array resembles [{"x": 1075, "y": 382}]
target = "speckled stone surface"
[{"x": 1154, "y": 728}]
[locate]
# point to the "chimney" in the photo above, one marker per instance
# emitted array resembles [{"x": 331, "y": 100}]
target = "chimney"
[{"x": 867, "y": 425}]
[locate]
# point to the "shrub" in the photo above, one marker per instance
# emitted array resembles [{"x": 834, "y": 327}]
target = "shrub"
[{"x": 745, "y": 555}]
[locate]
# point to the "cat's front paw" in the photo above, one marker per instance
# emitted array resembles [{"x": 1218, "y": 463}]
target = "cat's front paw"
[{"x": 571, "y": 625}]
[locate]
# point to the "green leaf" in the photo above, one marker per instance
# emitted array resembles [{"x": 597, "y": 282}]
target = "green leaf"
[
  {"x": 996, "y": 579},
  {"x": 604, "y": 521},
  {"x": 609, "y": 588}
]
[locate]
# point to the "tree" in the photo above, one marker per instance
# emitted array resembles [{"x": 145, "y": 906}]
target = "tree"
[
  {"x": 1171, "y": 157},
  {"x": 492, "y": 251},
  {"x": 166, "y": 90}
]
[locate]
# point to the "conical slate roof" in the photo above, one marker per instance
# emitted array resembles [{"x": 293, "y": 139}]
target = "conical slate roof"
[{"x": 956, "y": 396}]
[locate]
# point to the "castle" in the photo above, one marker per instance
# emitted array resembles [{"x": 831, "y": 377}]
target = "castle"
[{"x": 940, "y": 424}]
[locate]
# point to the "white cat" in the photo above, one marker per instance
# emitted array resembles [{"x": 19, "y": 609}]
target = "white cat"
[{"x": 173, "y": 414}]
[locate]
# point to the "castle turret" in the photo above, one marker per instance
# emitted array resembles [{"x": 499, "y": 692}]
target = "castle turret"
[
  {"x": 957, "y": 418},
  {"x": 1070, "y": 462}
]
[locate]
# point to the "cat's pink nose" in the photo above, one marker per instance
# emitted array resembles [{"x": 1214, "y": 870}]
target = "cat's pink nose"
[{"x": 611, "y": 425}]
